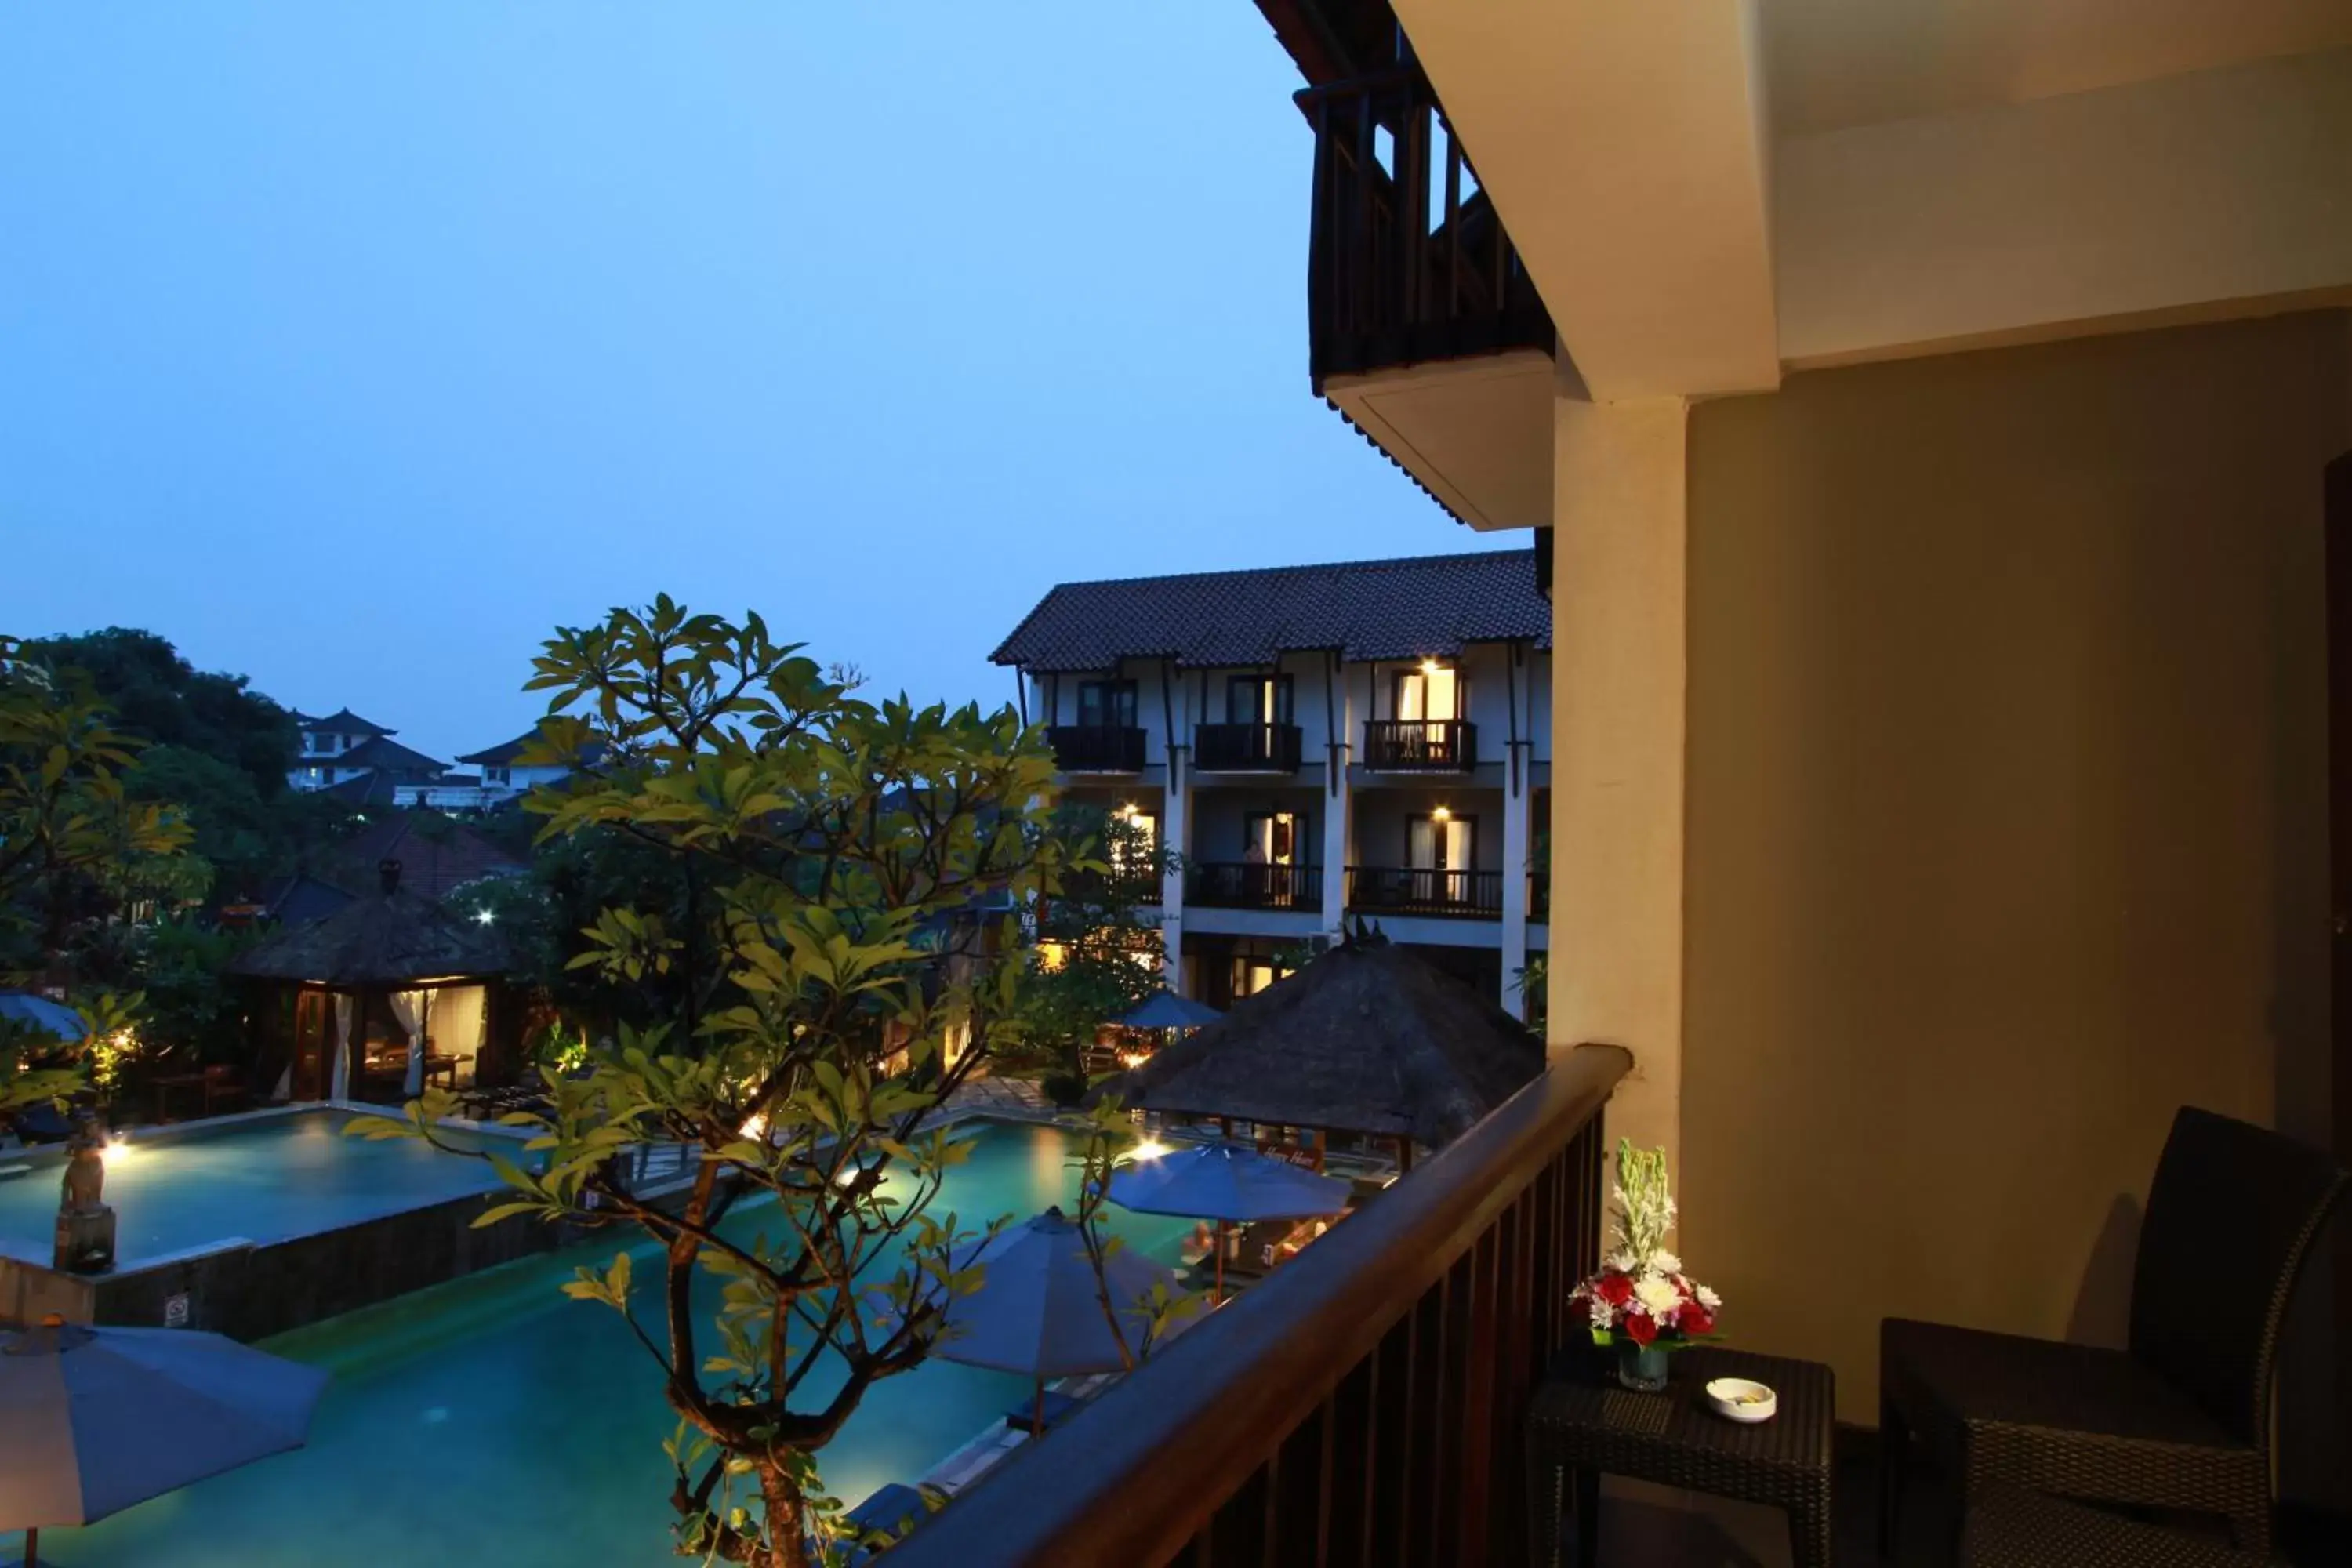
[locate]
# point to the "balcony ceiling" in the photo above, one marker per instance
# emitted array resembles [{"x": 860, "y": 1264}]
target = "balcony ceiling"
[
  {"x": 1709, "y": 194},
  {"x": 1831, "y": 64},
  {"x": 1476, "y": 433}
]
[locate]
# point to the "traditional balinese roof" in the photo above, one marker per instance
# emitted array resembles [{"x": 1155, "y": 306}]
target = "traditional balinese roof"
[
  {"x": 386, "y": 937},
  {"x": 1366, "y": 1038},
  {"x": 504, "y": 753},
  {"x": 302, "y": 899},
  {"x": 387, "y": 756},
  {"x": 342, "y": 722},
  {"x": 436, "y": 855},
  {"x": 1419, "y": 607}
]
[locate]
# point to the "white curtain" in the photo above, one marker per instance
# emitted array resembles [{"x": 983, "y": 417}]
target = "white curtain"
[
  {"x": 458, "y": 1012},
  {"x": 339, "y": 1078},
  {"x": 408, "y": 1012}
]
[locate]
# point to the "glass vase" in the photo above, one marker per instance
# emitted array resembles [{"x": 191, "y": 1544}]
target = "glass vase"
[{"x": 1642, "y": 1368}]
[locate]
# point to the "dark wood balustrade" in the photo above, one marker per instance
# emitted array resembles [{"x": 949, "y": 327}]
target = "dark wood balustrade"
[
  {"x": 1240, "y": 885},
  {"x": 1407, "y": 261},
  {"x": 1410, "y": 891},
  {"x": 1365, "y": 1404},
  {"x": 1421, "y": 745},
  {"x": 1539, "y": 897},
  {"x": 1097, "y": 748},
  {"x": 1245, "y": 748}
]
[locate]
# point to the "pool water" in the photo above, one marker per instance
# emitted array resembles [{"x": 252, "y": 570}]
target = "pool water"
[
  {"x": 264, "y": 1179},
  {"x": 493, "y": 1421}
]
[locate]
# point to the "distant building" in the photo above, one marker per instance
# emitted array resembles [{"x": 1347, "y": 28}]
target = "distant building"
[
  {"x": 324, "y": 756},
  {"x": 503, "y": 769},
  {"x": 1360, "y": 738}
]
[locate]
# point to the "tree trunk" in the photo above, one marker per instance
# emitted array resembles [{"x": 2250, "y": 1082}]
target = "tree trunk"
[{"x": 787, "y": 1528}]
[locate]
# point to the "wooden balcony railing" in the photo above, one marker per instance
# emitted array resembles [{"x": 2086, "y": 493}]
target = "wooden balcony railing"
[
  {"x": 1407, "y": 261},
  {"x": 1245, "y": 748},
  {"x": 1239, "y": 885},
  {"x": 1539, "y": 897},
  {"x": 1364, "y": 1405},
  {"x": 1097, "y": 748},
  {"x": 1136, "y": 884},
  {"x": 1410, "y": 891},
  {"x": 1421, "y": 745}
]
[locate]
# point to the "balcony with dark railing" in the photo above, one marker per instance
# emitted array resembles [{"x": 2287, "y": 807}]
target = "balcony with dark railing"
[
  {"x": 1407, "y": 261},
  {"x": 1539, "y": 897},
  {"x": 1421, "y": 745},
  {"x": 1410, "y": 891},
  {"x": 1366, "y": 1403},
  {"x": 1245, "y": 748},
  {"x": 1240, "y": 885},
  {"x": 1097, "y": 748}
]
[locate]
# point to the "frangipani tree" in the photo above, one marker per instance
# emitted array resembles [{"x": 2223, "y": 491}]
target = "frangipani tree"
[{"x": 843, "y": 956}]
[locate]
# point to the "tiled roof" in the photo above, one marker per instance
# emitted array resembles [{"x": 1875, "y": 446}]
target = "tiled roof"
[
  {"x": 385, "y": 756},
  {"x": 1415, "y": 607},
  {"x": 342, "y": 722},
  {"x": 505, "y": 751}
]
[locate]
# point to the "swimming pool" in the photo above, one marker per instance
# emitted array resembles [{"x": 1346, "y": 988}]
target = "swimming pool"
[
  {"x": 491, "y": 1421},
  {"x": 265, "y": 1179}
]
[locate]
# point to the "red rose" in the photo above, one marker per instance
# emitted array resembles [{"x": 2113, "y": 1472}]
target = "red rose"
[
  {"x": 1614, "y": 1288},
  {"x": 1642, "y": 1327},
  {"x": 1697, "y": 1320}
]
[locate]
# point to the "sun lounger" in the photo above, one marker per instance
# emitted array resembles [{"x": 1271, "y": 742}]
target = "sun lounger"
[{"x": 1022, "y": 1417}]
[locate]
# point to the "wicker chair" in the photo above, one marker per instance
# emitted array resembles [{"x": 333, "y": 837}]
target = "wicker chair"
[
  {"x": 2013, "y": 1528},
  {"x": 2182, "y": 1419}
]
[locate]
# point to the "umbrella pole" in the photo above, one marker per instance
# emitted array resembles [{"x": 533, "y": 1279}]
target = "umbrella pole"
[
  {"x": 32, "y": 1549},
  {"x": 1038, "y": 1420},
  {"x": 1219, "y": 1295}
]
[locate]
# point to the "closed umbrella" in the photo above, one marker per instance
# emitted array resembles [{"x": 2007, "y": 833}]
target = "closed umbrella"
[
  {"x": 1039, "y": 1307},
  {"x": 35, "y": 1011},
  {"x": 94, "y": 1420},
  {"x": 1228, "y": 1184}
]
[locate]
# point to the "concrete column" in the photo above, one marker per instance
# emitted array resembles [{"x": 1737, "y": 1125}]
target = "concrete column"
[
  {"x": 1176, "y": 837},
  {"x": 1335, "y": 858},
  {"x": 1515, "y": 835},
  {"x": 1617, "y": 772}
]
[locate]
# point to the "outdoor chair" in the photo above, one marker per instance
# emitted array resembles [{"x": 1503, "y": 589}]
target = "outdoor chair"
[
  {"x": 2014, "y": 1529},
  {"x": 2178, "y": 1420}
]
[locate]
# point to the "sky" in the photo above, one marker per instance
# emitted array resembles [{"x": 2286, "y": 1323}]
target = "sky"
[{"x": 353, "y": 348}]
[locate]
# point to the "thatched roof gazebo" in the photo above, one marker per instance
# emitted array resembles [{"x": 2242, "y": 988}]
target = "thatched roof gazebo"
[
  {"x": 1369, "y": 1038},
  {"x": 391, "y": 959}
]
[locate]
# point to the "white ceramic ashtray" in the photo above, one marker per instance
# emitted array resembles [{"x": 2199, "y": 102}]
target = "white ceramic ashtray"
[{"x": 1736, "y": 1399}]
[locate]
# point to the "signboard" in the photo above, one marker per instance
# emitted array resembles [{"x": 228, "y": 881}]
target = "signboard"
[{"x": 175, "y": 1311}]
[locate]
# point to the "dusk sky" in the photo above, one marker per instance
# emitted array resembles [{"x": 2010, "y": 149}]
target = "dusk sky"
[{"x": 354, "y": 347}]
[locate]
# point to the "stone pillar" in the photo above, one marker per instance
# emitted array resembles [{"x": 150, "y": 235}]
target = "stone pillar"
[
  {"x": 1617, "y": 772},
  {"x": 1516, "y": 836},
  {"x": 1175, "y": 830}
]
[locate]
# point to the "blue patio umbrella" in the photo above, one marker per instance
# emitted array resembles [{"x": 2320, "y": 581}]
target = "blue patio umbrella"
[
  {"x": 1229, "y": 1184},
  {"x": 32, "y": 1010},
  {"x": 1166, "y": 1010},
  {"x": 1039, "y": 1307},
  {"x": 94, "y": 1420}
]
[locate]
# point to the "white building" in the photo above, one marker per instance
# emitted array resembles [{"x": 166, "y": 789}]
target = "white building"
[{"x": 1316, "y": 743}]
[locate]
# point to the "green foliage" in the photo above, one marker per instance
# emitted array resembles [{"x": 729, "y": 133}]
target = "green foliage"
[
  {"x": 158, "y": 696},
  {"x": 75, "y": 848},
  {"x": 817, "y": 939},
  {"x": 1109, "y": 1146},
  {"x": 1099, "y": 949}
]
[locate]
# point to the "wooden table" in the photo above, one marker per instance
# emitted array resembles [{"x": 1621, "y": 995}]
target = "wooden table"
[{"x": 1581, "y": 1423}]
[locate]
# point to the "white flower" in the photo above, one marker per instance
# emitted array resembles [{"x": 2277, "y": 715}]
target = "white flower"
[
  {"x": 1657, "y": 1296},
  {"x": 1708, "y": 1299},
  {"x": 1603, "y": 1315},
  {"x": 1621, "y": 1261},
  {"x": 1665, "y": 1262}
]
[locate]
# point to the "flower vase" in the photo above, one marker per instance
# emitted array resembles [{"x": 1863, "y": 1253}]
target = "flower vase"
[{"x": 1642, "y": 1368}]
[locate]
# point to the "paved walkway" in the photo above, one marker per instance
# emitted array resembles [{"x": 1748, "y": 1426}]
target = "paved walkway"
[{"x": 1018, "y": 1098}]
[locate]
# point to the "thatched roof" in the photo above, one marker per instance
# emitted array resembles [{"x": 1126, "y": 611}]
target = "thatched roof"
[
  {"x": 1366, "y": 1038},
  {"x": 385, "y": 938}
]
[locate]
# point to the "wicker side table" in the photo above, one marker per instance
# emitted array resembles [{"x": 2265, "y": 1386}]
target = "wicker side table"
[{"x": 1581, "y": 1423}]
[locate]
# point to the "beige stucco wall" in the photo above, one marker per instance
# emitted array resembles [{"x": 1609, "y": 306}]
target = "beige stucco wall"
[{"x": 2006, "y": 820}]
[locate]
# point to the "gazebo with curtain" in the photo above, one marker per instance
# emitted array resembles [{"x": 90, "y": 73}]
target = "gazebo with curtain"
[
  {"x": 1368, "y": 1039},
  {"x": 385, "y": 995}
]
